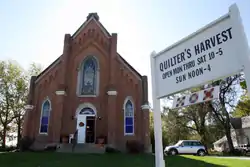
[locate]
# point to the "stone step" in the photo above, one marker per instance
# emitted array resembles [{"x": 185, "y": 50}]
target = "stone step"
[{"x": 81, "y": 148}]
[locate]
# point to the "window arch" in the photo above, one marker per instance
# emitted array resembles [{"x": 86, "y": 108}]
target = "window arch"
[
  {"x": 129, "y": 116},
  {"x": 45, "y": 114},
  {"x": 87, "y": 111},
  {"x": 88, "y": 77}
]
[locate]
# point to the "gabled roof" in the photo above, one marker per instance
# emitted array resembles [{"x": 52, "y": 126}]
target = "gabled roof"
[
  {"x": 49, "y": 67},
  {"x": 90, "y": 17},
  {"x": 245, "y": 121},
  {"x": 131, "y": 67}
]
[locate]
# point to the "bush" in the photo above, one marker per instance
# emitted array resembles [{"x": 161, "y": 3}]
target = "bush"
[
  {"x": 111, "y": 150},
  {"x": 51, "y": 148},
  {"x": 8, "y": 148},
  {"x": 25, "y": 143},
  {"x": 236, "y": 152},
  {"x": 134, "y": 146}
]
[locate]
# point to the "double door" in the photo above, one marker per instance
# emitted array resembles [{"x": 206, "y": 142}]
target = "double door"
[{"x": 86, "y": 129}]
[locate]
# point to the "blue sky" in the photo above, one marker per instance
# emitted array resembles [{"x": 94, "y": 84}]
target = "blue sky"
[{"x": 33, "y": 31}]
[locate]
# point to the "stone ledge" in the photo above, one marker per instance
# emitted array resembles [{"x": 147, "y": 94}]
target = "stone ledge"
[
  {"x": 60, "y": 92},
  {"x": 28, "y": 107},
  {"x": 112, "y": 93},
  {"x": 145, "y": 107}
]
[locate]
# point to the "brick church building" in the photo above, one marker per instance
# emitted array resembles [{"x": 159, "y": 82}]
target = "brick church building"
[{"x": 90, "y": 88}]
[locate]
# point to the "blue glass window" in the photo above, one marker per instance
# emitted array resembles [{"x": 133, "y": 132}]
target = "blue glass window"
[
  {"x": 87, "y": 111},
  {"x": 89, "y": 76},
  {"x": 129, "y": 118},
  {"x": 45, "y": 117}
]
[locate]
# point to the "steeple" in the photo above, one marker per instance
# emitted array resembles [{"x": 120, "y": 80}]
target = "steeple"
[{"x": 95, "y": 15}]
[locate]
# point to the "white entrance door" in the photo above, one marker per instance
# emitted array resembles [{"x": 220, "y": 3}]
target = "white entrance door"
[{"x": 81, "y": 126}]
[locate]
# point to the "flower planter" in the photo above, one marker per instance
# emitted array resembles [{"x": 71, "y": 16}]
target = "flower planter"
[
  {"x": 100, "y": 140},
  {"x": 65, "y": 139}
]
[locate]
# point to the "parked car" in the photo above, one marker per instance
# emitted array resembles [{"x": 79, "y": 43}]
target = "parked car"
[
  {"x": 194, "y": 147},
  {"x": 243, "y": 148}
]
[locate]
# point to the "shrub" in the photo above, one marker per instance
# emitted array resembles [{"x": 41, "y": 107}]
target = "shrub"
[
  {"x": 236, "y": 152},
  {"x": 8, "y": 148},
  {"x": 51, "y": 148},
  {"x": 111, "y": 150},
  {"x": 134, "y": 146},
  {"x": 25, "y": 143}
]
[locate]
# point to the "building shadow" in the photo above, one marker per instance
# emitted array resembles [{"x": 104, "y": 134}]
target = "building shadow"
[{"x": 182, "y": 161}]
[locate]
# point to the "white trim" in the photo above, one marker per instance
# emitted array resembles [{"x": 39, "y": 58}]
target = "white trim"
[
  {"x": 128, "y": 98},
  {"x": 60, "y": 92},
  {"x": 85, "y": 105},
  {"x": 71, "y": 136},
  {"x": 135, "y": 74},
  {"x": 193, "y": 34},
  {"x": 241, "y": 35},
  {"x": 86, "y": 23},
  {"x": 112, "y": 93},
  {"x": 54, "y": 64},
  {"x": 80, "y": 74},
  {"x": 47, "y": 99},
  {"x": 145, "y": 107},
  {"x": 28, "y": 107}
]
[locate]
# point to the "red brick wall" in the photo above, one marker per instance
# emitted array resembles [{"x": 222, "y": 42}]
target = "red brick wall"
[{"x": 114, "y": 75}]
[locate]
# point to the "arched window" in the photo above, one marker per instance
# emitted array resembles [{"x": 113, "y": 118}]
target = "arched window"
[
  {"x": 87, "y": 111},
  {"x": 128, "y": 117},
  {"x": 89, "y": 76},
  {"x": 44, "y": 124}
]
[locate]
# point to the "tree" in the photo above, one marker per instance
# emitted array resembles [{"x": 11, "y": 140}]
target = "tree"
[
  {"x": 10, "y": 75},
  {"x": 21, "y": 96},
  {"x": 196, "y": 116},
  {"x": 172, "y": 126},
  {"x": 242, "y": 109},
  {"x": 220, "y": 108},
  {"x": 14, "y": 83},
  {"x": 34, "y": 69},
  {"x": 193, "y": 117}
]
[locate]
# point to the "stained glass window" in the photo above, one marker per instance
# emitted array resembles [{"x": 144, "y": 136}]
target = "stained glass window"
[
  {"x": 87, "y": 111},
  {"x": 45, "y": 117},
  {"x": 129, "y": 117},
  {"x": 89, "y": 77}
]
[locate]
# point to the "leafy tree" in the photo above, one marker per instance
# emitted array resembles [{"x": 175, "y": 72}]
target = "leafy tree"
[
  {"x": 242, "y": 109},
  {"x": 174, "y": 128},
  {"x": 21, "y": 96},
  {"x": 14, "y": 83},
  {"x": 220, "y": 108},
  {"x": 10, "y": 74},
  {"x": 35, "y": 69},
  {"x": 243, "y": 106}
]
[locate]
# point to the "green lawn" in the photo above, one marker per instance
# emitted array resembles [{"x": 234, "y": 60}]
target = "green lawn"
[{"x": 110, "y": 160}]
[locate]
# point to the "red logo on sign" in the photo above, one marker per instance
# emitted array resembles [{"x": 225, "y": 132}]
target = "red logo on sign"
[{"x": 208, "y": 94}]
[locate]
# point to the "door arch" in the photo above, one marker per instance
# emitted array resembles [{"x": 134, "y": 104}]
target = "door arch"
[{"x": 86, "y": 123}]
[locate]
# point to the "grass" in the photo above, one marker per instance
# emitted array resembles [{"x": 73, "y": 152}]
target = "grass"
[{"x": 110, "y": 160}]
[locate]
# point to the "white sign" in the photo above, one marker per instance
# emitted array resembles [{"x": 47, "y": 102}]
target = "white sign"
[
  {"x": 216, "y": 51},
  {"x": 209, "y": 54},
  {"x": 197, "y": 97}
]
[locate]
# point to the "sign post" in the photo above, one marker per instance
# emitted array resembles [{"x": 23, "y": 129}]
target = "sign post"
[
  {"x": 159, "y": 159},
  {"x": 216, "y": 51}
]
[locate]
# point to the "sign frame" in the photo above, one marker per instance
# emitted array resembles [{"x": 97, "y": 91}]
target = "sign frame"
[
  {"x": 172, "y": 69},
  {"x": 244, "y": 58}
]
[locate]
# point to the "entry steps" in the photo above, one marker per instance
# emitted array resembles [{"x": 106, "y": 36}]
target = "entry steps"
[{"x": 81, "y": 148}]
